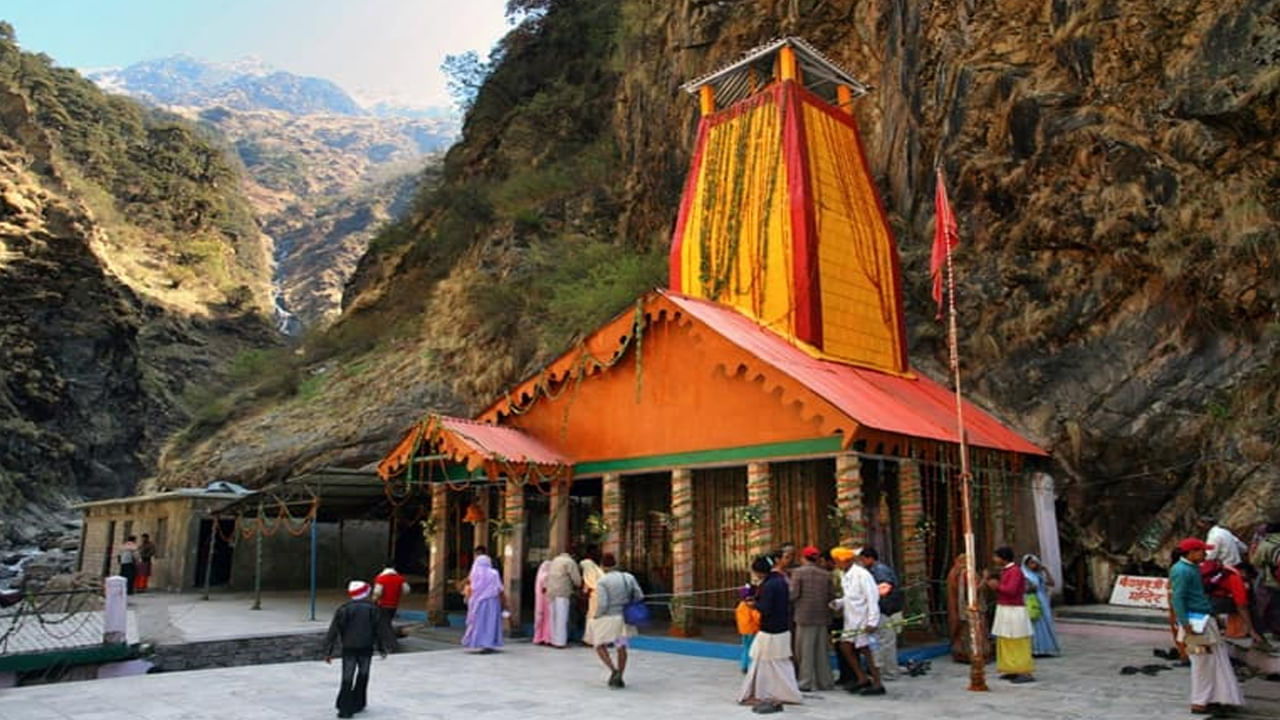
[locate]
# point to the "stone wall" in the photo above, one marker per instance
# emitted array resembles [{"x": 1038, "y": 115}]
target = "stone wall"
[{"x": 239, "y": 651}]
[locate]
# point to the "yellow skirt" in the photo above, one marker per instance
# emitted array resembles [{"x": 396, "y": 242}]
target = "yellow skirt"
[{"x": 1013, "y": 656}]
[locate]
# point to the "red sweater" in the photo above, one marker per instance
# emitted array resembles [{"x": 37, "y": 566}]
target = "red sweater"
[
  {"x": 1013, "y": 586},
  {"x": 392, "y": 587}
]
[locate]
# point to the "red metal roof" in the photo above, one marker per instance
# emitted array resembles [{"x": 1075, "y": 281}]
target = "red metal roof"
[
  {"x": 914, "y": 406},
  {"x": 496, "y": 442}
]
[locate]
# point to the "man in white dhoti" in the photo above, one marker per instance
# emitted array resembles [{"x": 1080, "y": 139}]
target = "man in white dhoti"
[
  {"x": 860, "y": 604},
  {"x": 1213, "y": 682}
]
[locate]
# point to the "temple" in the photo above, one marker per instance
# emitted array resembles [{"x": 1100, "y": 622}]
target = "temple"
[{"x": 765, "y": 396}]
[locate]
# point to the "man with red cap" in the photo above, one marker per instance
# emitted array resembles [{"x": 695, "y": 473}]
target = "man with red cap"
[
  {"x": 811, "y": 596},
  {"x": 357, "y": 624},
  {"x": 1213, "y": 682}
]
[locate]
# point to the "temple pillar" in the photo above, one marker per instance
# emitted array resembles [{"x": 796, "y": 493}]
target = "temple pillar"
[
  {"x": 849, "y": 499},
  {"x": 760, "y": 498},
  {"x": 915, "y": 566},
  {"x": 512, "y": 539},
  {"x": 611, "y": 513},
  {"x": 682, "y": 623},
  {"x": 434, "y": 534},
  {"x": 559, "y": 531}
]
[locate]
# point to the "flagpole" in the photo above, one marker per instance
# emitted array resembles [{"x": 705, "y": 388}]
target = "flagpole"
[{"x": 977, "y": 660}]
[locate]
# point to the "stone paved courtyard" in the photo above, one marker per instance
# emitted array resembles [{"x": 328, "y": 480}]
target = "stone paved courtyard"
[{"x": 534, "y": 682}]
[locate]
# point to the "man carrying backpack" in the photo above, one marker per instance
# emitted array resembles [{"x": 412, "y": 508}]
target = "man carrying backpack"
[
  {"x": 1266, "y": 558},
  {"x": 892, "y": 602},
  {"x": 614, "y": 591}
]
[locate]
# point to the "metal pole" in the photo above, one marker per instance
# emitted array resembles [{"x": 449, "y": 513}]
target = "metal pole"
[
  {"x": 257, "y": 572},
  {"x": 341, "y": 561},
  {"x": 313, "y": 566},
  {"x": 977, "y": 662},
  {"x": 208, "y": 561}
]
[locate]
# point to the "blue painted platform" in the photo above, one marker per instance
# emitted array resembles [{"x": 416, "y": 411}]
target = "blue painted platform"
[{"x": 686, "y": 646}]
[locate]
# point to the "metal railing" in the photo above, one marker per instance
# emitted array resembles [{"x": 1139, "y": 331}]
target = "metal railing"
[{"x": 53, "y": 620}]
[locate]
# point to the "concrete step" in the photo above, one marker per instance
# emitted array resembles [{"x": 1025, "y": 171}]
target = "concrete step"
[{"x": 1112, "y": 615}]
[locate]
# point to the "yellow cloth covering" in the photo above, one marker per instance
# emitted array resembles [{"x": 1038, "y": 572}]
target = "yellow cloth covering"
[{"x": 1013, "y": 656}]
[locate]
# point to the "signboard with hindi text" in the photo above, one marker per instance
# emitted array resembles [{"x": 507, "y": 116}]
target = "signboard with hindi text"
[{"x": 1138, "y": 591}]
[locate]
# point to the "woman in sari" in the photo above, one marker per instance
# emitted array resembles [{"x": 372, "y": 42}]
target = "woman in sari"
[
  {"x": 541, "y": 606},
  {"x": 485, "y": 606},
  {"x": 591, "y": 573},
  {"x": 1044, "y": 637},
  {"x": 771, "y": 676},
  {"x": 958, "y": 615}
]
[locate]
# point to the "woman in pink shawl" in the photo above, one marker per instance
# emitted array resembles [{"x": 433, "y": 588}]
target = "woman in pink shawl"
[
  {"x": 541, "y": 606},
  {"x": 486, "y": 603}
]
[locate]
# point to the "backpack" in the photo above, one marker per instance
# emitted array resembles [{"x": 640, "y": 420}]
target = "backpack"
[
  {"x": 1213, "y": 574},
  {"x": 1267, "y": 559}
]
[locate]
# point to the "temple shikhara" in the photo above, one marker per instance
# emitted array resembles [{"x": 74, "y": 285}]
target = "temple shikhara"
[{"x": 765, "y": 396}]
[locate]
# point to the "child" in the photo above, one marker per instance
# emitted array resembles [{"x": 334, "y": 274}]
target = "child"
[{"x": 748, "y": 619}]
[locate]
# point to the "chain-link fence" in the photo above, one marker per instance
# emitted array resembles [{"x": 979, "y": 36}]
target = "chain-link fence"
[{"x": 54, "y": 620}]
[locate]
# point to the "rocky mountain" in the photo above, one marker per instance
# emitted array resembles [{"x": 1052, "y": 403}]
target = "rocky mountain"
[
  {"x": 1113, "y": 166},
  {"x": 187, "y": 81},
  {"x": 131, "y": 271},
  {"x": 321, "y": 173}
]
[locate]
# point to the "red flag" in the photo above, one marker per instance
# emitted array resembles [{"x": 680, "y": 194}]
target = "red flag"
[{"x": 945, "y": 238}]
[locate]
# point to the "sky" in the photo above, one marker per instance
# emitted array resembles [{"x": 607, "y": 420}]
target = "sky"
[{"x": 375, "y": 49}]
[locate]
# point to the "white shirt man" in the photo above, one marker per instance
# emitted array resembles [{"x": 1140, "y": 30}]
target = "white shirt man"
[
  {"x": 860, "y": 601},
  {"x": 1226, "y": 546}
]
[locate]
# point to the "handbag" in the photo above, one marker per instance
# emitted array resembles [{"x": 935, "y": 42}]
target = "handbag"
[
  {"x": 635, "y": 612},
  {"x": 1034, "y": 611}
]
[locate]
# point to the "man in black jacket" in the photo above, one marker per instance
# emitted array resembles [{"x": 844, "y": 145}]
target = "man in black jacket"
[{"x": 356, "y": 623}]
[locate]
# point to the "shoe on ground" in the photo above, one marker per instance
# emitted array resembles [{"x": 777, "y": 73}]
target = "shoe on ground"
[
  {"x": 344, "y": 715},
  {"x": 766, "y": 707},
  {"x": 876, "y": 690},
  {"x": 1022, "y": 679},
  {"x": 614, "y": 679}
]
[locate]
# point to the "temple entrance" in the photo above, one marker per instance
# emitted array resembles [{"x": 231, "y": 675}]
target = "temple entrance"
[
  {"x": 585, "y": 517},
  {"x": 645, "y": 535},
  {"x": 720, "y": 540},
  {"x": 882, "y": 506},
  {"x": 220, "y": 569},
  {"x": 804, "y": 494}
]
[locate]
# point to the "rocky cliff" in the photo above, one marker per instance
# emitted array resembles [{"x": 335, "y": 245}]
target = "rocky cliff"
[
  {"x": 1112, "y": 163},
  {"x": 129, "y": 268}
]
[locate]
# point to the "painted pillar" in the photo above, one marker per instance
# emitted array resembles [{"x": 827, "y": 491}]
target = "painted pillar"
[
  {"x": 481, "y": 534},
  {"x": 760, "y": 497},
  {"x": 560, "y": 515},
  {"x": 682, "y": 623},
  {"x": 115, "y": 611},
  {"x": 513, "y": 551},
  {"x": 849, "y": 499},
  {"x": 257, "y": 569},
  {"x": 611, "y": 512},
  {"x": 436, "y": 574},
  {"x": 915, "y": 566}
]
